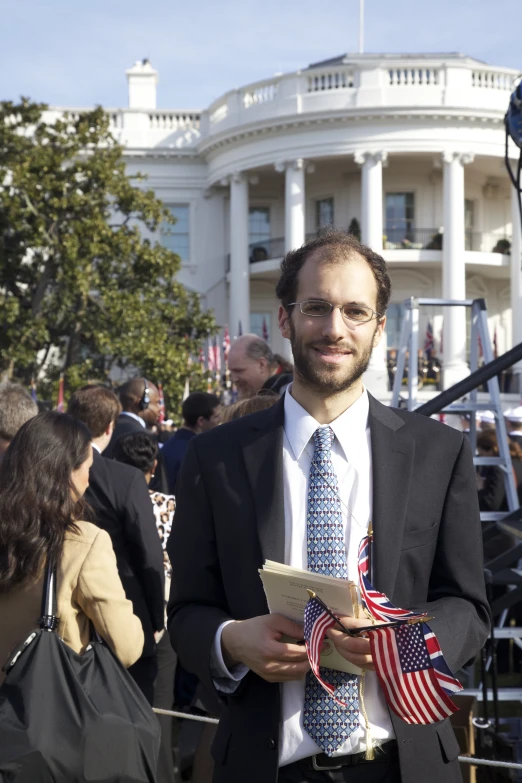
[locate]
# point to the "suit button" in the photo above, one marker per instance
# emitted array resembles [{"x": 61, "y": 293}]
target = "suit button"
[{"x": 271, "y": 743}]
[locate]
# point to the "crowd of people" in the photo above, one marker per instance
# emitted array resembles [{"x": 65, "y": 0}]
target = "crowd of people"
[{"x": 131, "y": 516}]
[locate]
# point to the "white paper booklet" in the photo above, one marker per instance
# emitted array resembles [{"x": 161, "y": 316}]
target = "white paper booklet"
[{"x": 285, "y": 589}]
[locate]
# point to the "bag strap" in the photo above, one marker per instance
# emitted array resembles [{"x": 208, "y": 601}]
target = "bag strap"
[{"x": 49, "y": 619}]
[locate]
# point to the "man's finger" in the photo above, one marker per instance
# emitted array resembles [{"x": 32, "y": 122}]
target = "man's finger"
[
  {"x": 286, "y": 627},
  {"x": 287, "y": 652}
]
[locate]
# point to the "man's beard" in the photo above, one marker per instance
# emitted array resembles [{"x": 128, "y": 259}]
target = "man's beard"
[{"x": 328, "y": 379}]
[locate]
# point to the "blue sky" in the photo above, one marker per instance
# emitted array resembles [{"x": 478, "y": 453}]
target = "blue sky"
[{"x": 68, "y": 53}]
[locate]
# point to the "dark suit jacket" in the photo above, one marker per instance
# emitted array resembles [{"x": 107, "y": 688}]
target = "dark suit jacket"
[
  {"x": 173, "y": 453},
  {"x": 427, "y": 556},
  {"x": 120, "y": 499},
  {"x": 124, "y": 425}
]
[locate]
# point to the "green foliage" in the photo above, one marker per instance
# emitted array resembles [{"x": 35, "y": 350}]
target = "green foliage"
[{"x": 77, "y": 270}]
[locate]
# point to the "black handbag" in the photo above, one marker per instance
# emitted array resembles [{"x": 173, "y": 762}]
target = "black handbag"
[{"x": 69, "y": 718}]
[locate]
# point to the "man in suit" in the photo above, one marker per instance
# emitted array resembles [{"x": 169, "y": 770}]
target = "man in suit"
[
  {"x": 120, "y": 499},
  {"x": 140, "y": 408},
  {"x": 248, "y": 492},
  {"x": 253, "y": 367},
  {"x": 201, "y": 412}
]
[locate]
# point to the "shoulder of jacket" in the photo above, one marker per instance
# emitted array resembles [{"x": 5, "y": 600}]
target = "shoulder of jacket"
[
  {"x": 86, "y": 533},
  {"x": 430, "y": 427}
]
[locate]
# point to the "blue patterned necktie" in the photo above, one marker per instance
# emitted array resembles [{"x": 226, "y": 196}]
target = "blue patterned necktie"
[{"x": 327, "y": 722}]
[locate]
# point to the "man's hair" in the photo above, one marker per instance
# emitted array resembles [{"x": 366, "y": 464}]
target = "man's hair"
[
  {"x": 97, "y": 406},
  {"x": 16, "y": 407},
  {"x": 198, "y": 404},
  {"x": 138, "y": 449},
  {"x": 132, "y": 391},
  {"x": 331, "y": 240},
  {"x": 259, "y": 402},
  {"x": 257, "y": 348}
]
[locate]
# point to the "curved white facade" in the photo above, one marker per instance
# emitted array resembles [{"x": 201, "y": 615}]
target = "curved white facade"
[{"x": 411, "y": 146}]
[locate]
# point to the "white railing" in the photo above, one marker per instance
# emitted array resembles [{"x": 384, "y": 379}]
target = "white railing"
[
  {"x": 260, "y": 93},
  {"x": 493, "y": 80},
  {"x": 173, "y": 120},
  {"x": 330, "y": 80},
  {"x": 218, "y": 114},
  {"x": 402, "y": 77}
]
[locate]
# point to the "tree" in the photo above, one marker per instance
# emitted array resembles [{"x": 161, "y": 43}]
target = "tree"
[{"x": 77, "y": 271}]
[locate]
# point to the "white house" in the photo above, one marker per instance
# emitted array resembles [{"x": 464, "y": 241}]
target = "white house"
[{"x": 411, "y": 146}]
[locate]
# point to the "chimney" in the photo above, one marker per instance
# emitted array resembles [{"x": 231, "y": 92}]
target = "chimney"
[{"x": 142, "y": 79}]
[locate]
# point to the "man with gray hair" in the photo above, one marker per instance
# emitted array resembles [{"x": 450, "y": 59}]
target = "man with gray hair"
[
  {"x": 16, "y": 407},
  {"x": 253, "y": 367}
]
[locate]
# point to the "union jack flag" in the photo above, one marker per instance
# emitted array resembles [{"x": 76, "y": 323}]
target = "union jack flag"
[
  {"x": 415, "y": 678},
  {"x": 316, "y": 623}
]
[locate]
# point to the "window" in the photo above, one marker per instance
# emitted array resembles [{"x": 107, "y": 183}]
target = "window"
[
  {"x": 177, "y": 237},
  {"x": 324, "y": 212},
  {"x": 258, "y": 224},
  {"x": 400, "y": 217},
  {"x": 260, "y": 325},
  {"x": 259, "y": 233}
]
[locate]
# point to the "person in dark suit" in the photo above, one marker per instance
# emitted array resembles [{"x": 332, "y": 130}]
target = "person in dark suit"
[
  {"x": 140, "y": 408},
  {"x": 119, "y": 497},
  {"x": 201, "y": 411},
  {"x": 242, "y": 498}
]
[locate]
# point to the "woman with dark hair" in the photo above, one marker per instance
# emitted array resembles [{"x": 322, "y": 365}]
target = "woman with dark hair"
[{"x": 42, "y": 481}]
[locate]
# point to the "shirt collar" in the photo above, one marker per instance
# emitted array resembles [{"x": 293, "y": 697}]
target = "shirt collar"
[
  {"x": 95, "y": 447},
  {"x": 134, "y": 416},
  {"x": 348, "y": 427}
]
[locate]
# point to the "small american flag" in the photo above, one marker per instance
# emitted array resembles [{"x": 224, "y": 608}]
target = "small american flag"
[
  {"x": 316, "y": 623},
  {"x": 404, "y": 661},
  {"x": 413, "y": 674}
]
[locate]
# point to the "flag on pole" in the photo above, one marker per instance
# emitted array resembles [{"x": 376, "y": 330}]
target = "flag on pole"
[
  {"x": 240, "y": 330},
  {"x": 162, "y": 415},
  {"x": 60, "y": 405},
  {"x": 211, "y": 356},
  {"x": 316, "y": 623},
  {"x": 416, "y": 680},
  {"x": 226, "y": 345},
  {"x": 217, "y": 356},
  {"x": 428, "y": 341},
  {"x": 495, "y": 344},
  {"x": 441, "y": 348},
  {"x": 265, "y": 330}
]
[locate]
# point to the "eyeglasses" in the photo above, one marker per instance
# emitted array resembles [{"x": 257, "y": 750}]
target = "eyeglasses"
[{"x": 318, "y": 308}]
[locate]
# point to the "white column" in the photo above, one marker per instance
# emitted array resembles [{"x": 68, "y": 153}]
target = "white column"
[
  {"x": 239, "y": 302},
  {"x": 371, "y": 197},
  {"x": 294, "y": 204},
  {"x": 454, "y": 366},
  {"x": 516, "y": 283},
  {"x": 376, "y": 376}
]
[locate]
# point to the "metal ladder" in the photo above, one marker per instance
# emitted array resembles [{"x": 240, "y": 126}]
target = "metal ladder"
[{"x": 409, "y": 344}]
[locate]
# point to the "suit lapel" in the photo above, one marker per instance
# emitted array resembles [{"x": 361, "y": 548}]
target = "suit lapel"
[
  {"x": 263, "y": 455},
  {"x": 392, "y": 462}
]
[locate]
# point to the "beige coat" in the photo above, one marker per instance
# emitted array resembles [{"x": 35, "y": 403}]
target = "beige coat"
[{"x": 88, "y": 587}]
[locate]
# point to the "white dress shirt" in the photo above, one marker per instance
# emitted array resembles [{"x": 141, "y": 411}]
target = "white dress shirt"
[
  {"x": 351, "y": 459},
  {"x": 134, "y": 416}
]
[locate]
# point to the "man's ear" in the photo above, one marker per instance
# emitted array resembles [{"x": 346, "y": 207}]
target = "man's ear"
[
  {"x": 379, "y": 331},
  {"x": 284, "y": 322}
]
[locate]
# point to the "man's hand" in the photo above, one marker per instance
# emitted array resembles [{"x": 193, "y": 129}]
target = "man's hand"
[
  {"x": 354, "y": 649},
  {"x": 256, "y": 643}
]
